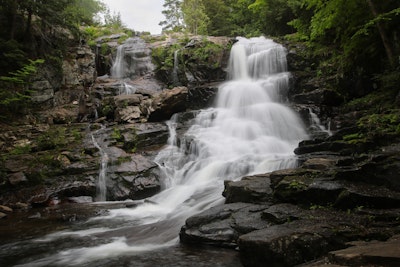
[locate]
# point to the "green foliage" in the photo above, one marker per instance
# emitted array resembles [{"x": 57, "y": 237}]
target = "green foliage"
[
  {"x": 12, "y": 57},
  {"x": 22, "y": 75},
  {"x": 381, "y": 124},
  {"x": 54, "y": 138},
  {"x": 297, "y": 185},
  {"x": 116, "y": 134},
  {"x": 20, "y": 150},
  {"x": 195, "y": 17},
  {"x": 205, "y": 53},
  {"x": 173, "y": 16},
  {"x": 91, "y": 33},
  {"x": 122, "y": 160},
  {"x": 163, "y": 57},
  {"x": 14, "y": 94}
]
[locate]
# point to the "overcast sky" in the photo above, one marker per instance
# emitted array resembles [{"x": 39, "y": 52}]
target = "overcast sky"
[{"x": 140, "y": 15}]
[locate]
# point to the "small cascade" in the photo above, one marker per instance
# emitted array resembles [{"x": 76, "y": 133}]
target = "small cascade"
[
  {"x": 119, "y": 67},
  {"x": 172, "y": 123},
  {"x": 126, "y": 89},
  {"x": 133, "y": 59},
  {"x": 316, "y": 127},
  {"x": 175, "y": 78},
  {"x": 101, "y": 185}
]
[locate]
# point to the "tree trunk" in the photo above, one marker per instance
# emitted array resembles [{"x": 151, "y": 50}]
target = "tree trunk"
[
  {"x": 382, "y": 33},
  {"x": 13, "y": 19}
]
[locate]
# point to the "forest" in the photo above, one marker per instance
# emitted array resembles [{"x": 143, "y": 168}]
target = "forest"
[{"x": 350, "y": 40}]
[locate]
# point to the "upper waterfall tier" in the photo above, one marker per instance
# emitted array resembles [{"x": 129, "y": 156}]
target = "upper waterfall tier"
[{"x": 133, "y": 59}]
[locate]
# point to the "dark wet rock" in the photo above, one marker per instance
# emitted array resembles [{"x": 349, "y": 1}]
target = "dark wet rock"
[
  {"x": 310, "y": 235},
  {"x": 202, "y": 96},
  {"x": 167, "y": 103},
  {"x": 5, "y": 209},
  {"x": 251, "y": 189},
  {"x": 282, "y": 213},
  {"x": 223, "y": 224},
  {"x": 80, "y": 199},
  {"x": 137, "y": 178},
  {"x": 150, "y": 134},
  {"x": 318, "y": 97},
  {"x": 319, "y": 163},
  {"x": 286, "y": 245},
  {"x": 373, "y": 253},
  {"x": 17, "y": 178}
]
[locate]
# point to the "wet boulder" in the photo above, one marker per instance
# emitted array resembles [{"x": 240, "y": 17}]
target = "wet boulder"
[
  {"x": 251, "y": 189},
  {"x": 223, "y": 224},
  {"x": 135, "y": 178},
  {"x": 168, "y": 102}
]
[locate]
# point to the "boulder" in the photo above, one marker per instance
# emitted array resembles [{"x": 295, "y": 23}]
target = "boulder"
[
  {"x": 137, "y": 178},
  {"x": 251, "y": 189},
  {"x": 287, "y": 244},
  {"x": 376, "y": 253},
  {"x": 223, "y": 224},
  {"x": 168, "y": 102},
  {"x": 318, "y": 97}
]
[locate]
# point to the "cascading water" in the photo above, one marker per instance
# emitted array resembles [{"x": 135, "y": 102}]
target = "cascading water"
[
  {"x": 316, "y": 127},
  {"x": 248, "y": 132},
  {"x": 175, "y": 78},
  {"x": 101, "y": 185},
  {"x": 132, "y": 60}
]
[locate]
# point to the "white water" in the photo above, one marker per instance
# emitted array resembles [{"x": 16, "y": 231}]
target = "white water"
[
  {"x": 316, "y": 125},
  {"x": 175, "y": 78},
  {"x": 132, "y": 60},
  {"x": 101, "y": 184},
  {"x": 248, "y": 132}
]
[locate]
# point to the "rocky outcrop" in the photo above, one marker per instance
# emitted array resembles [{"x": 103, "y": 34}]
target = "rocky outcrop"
[
  {"x": 341, "y": 195},
  {"x": 198, "y": 60},
  {"x": 56, "y": 86},
  {"x": 167, "y": 103},
  {"x": 55, "y": 163}
]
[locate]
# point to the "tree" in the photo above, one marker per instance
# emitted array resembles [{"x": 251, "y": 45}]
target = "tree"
[
  {"x": 195, "y": 18},
  {"x": 382, "y": 31},
  {"x": 113, "y": 20},
  {"x": 173, "y": 16},
  {"x": 218, "y": 13},
  {"x": 348, "y": 26}
]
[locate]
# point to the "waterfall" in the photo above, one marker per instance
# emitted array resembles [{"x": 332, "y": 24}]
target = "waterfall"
[
  {"x": 126, "y": 89},
  {"x": 316, "y": 126},
  {"x": 133, "y": 59},
  {"x": 118, "y": 68},
  {"x": 101, "y": 185},
  {"x": 249, "y": 131},
  {"x": 175, "y": 78}
]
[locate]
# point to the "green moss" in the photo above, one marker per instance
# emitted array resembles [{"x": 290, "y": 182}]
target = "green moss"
[
  {"x": 355, "y": 138},
  {"x": 297, "y": 185},
  {"x": 121, "y": 160},
  {"x": 52, "y": 139},
  {"x": 116, "y": 134},
  {"x": 20, "y": 150},
  {"x": 381, "y": 124}
]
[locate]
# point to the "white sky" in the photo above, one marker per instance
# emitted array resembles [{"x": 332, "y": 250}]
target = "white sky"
[{"x": 140, "y": 15}]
